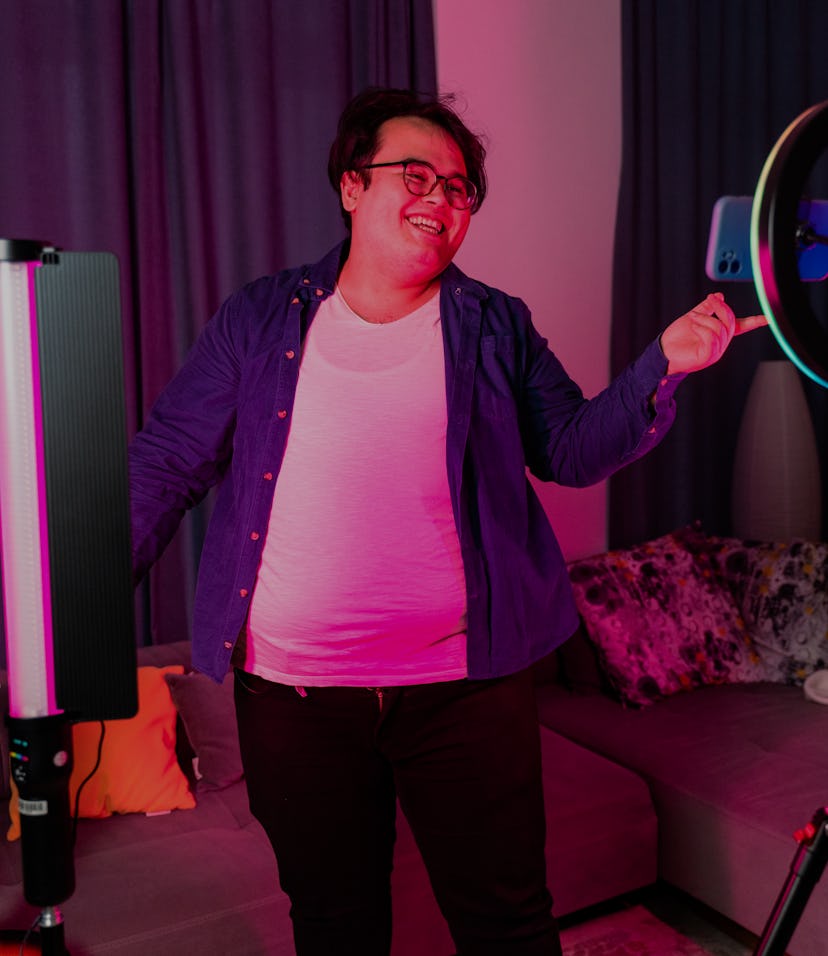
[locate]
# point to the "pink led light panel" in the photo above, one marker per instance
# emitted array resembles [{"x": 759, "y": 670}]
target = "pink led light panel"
[{"x": 25, "y": 551}]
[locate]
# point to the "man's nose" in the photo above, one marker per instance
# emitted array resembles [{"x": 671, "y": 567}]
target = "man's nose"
[{"x": 438, "y": 194}]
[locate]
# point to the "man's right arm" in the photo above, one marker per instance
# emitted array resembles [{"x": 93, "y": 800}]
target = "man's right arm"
[{"x": 186, "y": 443}]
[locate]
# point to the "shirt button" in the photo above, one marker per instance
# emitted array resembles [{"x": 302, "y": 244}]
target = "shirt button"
[
  {"x": 294, "y": 301},
  {"x": 319, "y": 292},
  {"x": 243, "y": 592},
  {"x": 652, "y": 431},
  {"x": 282, "y": 413},
  {"x": 663, "y": 382},
  {"x": 254, "y": 535},
  {"x": 290, "y": 354},
  {"x": 305, "y": 281},
  {"x": 268, "y": 476},
  {"x": 228, "y": 645}
]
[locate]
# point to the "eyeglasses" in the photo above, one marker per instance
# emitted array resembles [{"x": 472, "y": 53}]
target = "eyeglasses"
[{"x": 421, "y": 178}]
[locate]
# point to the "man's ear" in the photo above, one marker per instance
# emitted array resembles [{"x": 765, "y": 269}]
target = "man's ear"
[{"x": 350, "y": 186}]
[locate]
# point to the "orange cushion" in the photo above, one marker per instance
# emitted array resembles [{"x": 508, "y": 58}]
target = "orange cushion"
[{"x": 139, "y": 772}]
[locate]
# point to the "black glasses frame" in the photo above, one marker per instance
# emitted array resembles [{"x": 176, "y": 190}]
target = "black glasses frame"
[{"x": 467, "y": 189}]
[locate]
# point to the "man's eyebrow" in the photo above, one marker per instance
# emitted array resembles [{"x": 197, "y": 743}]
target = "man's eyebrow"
[{"x": 425, "y": 162}]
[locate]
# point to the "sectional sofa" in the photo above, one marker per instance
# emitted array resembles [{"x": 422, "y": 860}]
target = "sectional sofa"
[{"x": 678, "y": 744}]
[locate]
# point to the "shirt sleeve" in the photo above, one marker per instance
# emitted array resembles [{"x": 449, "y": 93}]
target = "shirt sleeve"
[
  {"x": 185, "y": 445},
  {"x": 577, "y": 441}
]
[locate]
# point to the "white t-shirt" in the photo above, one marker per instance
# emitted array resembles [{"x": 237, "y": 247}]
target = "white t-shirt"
[{"x": 361, "y": 581}]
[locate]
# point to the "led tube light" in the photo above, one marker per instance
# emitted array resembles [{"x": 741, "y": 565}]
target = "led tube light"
[{"x": 25, "y": 546}]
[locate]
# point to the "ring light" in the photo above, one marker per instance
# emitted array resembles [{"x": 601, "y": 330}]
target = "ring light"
[{"x": 774, "y": 234}]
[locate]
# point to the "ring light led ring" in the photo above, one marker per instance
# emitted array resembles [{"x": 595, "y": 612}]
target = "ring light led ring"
[{"x": 773, "y": 230}]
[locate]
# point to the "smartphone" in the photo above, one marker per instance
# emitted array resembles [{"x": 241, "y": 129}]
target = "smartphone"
[{"x": 728, "y": 248}]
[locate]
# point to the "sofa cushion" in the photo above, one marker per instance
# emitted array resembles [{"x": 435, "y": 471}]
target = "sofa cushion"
[
  {"x": 661, "y": 624},
  {"x": 139, "y": 772},
  {"x": 207, "y": 712},
  {"x": 780, "y": 589},
  {"x": 728, "y": 560},
  {"x": 786, "y": 608}
]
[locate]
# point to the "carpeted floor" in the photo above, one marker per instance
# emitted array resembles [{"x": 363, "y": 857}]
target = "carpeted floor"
[
  {"x": 661, "y": 922},
  {"x": 638, "y": 932},
  {"x": 634, "y": 931}
]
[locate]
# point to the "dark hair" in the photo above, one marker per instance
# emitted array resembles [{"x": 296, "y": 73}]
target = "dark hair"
[{"x": 357, "y": 134}]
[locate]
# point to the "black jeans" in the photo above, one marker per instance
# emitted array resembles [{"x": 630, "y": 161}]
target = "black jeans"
[{"x": 323, "y": 773}]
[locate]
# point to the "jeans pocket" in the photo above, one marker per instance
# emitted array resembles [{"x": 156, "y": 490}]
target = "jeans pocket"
[{"x": 253, "y": 684}]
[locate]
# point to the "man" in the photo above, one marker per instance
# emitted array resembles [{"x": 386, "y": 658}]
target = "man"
[{"x": 382, "y": 607}]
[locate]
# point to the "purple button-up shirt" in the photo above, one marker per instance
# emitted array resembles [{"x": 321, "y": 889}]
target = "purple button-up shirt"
[{"x": 225, "y": 419}]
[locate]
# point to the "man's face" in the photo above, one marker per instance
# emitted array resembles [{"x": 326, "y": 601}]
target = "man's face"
[{"x": 411, "y": 238}]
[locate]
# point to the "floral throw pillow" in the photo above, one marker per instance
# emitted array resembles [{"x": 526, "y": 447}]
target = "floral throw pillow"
[
  {"x": 661, "y": 621},
  {"x": 729, "y": 560},
  {"x": 786, "y": 608},
  {"x": 780, "y": 589}
]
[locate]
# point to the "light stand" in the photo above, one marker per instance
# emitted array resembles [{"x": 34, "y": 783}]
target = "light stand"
[
  {"x": 64, "y": 523},
  {"x": 775, "y": 235},
  {"x": 807, "y": 867}
]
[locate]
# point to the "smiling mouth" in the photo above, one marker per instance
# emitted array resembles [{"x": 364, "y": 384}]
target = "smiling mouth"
[{"x": 431, "y": 226}]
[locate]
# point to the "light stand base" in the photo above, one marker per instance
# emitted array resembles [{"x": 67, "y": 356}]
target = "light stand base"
[
  {"x": 41, "y": 764},
  {"x": 46, "y": 940}
]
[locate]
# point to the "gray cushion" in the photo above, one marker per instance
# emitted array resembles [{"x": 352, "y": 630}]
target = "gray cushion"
[{"x": 208, "y": 715}]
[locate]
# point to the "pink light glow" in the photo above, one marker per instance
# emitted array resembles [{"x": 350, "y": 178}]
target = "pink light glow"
[
  {"x": 26, "y": 573},
  {"x": 43, "y": 519}
]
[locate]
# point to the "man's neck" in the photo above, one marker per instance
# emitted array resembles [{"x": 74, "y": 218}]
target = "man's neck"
[{"x": 376, "y": 299}]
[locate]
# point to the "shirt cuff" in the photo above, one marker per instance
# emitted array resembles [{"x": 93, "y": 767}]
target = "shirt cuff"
[
  {"x": 667, "y": 384},
  {"x": 651, "y": 368}
]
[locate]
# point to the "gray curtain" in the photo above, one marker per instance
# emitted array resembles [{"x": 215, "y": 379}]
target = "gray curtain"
[
  {"x": 708, "y": 87},
  {"x": 190, "y": 138}
]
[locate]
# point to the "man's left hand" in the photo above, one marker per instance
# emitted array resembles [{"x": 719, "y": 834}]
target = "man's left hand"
[{"x": 701, "y": 336}]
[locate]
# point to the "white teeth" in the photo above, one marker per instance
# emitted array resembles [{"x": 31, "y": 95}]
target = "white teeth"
[{"x": 428, "y": 225}]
